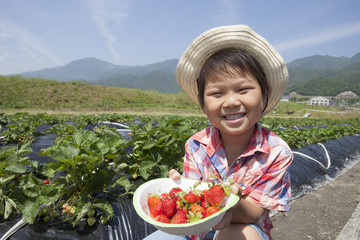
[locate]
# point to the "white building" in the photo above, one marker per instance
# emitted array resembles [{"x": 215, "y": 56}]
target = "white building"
[{"x": 319, "y": 101}]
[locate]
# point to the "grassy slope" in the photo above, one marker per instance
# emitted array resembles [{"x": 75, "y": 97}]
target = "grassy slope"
[
  {"x": 18, "y": 92},
  {"x": 38, "y": 95}
]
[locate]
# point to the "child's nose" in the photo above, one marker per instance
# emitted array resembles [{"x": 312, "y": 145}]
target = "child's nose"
[{"x": 232, "y": 100}]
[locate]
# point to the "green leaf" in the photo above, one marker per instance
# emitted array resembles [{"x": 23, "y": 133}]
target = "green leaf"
[
  {"x": 144, "y": 173},
  {"x": 149, "y": 144},
  {"x": 48, "y": 170},
  {"x": 105, "y": 207},
  {"x": 64, "y": 153},
  {"x": 8, "y": 209},
  {"x": 103, "y": 147},
  {"x": 34, "y": 164},
  {"x": 32, "y": 192},
  {"x": 12, "y": 203},
  {"x": 147, "y": 164},
  {"x": 88, "y": 136},
  {"x": 48, "y": 194},
  {"x": 82, "y": 213},
  {"x": 23, "y": 148},
  {"x": 32, "y": 187},
  {"x": 18, "y": 198},
  {"x": 4, "y": 181},
  {"x": 164, "y": 170},
  {"x": 7, "y": 150},
  {"x": 77, "y": 138},
  {"x": 16, "y": 168},
  {"x": 123, "y": 181},
  {"x": 85, "y": 159},
  {"x": 30, "y": 211}
]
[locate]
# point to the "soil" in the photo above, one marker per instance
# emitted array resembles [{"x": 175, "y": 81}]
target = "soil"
[{"x": 321, "y": 214}]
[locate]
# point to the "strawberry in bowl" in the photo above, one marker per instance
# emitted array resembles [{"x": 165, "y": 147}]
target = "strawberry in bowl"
[{"x": 184, "y": 206}]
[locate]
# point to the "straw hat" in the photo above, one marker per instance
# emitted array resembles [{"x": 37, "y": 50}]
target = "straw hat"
[{"x": 236, "y": 36}]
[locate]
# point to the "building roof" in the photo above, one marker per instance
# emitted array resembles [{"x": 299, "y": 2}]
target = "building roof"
[
  {"x": 347, "y": 94},
  {"x": 319, "y": 98}
]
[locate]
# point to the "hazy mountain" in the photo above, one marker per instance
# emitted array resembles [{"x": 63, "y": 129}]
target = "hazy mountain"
[
  {"x": 87, "y": 69},
  {"x": 155, "y": 80},
  {"x": 341, "y": 73},
  {"x": 324, "y": 75},
  {"x": 319, "y": 62},
  {"x": 336, "y": 68},
  {"x": 90, "y": 69},
  {"x": 157, "y": 76}
]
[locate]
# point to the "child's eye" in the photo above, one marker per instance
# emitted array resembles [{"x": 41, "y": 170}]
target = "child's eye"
[
  {"x": 216, "y": 94},
  {"x": 244, "y": 90},
  {"x": 213, "y": 92}
]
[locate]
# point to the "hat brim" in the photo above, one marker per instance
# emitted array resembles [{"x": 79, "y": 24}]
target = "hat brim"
[{"x": 236, "y": 36}]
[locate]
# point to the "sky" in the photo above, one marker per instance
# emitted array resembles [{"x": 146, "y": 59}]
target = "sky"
[{"x": 38, "y": 34}]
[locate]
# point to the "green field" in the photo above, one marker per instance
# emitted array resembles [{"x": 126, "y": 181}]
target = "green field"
[
  {"x": 89, "y": 167},
  {"x": 22, "y": 94}
]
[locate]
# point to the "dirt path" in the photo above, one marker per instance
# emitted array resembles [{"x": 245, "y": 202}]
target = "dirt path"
[{"x": 321, "y": 214}]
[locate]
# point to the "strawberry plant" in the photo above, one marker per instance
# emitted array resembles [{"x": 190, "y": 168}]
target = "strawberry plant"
[
  {"x": 82, "y": 172},
  {"x": 16, "y": 180},
  {"x": 77, "y": 183},
  {"x": 160, "y": 147},
  {"x": 88, "y": 168}
]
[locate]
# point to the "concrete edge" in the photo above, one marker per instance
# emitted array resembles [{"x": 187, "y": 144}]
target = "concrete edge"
[{"x": 351, "y": 230}]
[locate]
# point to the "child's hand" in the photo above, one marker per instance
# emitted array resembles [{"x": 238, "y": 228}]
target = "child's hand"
[
  {"x": 225, "y": 221},
  {"x": 174, "y": 174}
]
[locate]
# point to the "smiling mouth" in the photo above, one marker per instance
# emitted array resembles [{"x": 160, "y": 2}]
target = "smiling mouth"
[{"x": 234, "y": 117}]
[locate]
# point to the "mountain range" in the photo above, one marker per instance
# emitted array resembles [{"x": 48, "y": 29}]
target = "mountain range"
[{"x": 315, "y": 75}]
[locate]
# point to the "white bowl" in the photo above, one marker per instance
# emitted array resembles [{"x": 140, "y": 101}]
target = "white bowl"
[{"x": 164, "y": 185}]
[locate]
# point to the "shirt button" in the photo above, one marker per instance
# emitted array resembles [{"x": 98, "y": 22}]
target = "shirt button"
[{"x": 237, "y": 161}]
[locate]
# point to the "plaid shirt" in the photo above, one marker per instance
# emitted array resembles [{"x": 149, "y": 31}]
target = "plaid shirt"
[{"x": 261, "y": 169}]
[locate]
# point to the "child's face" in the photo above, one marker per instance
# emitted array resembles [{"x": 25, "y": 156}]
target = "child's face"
[{"x": 233, "y": 104}]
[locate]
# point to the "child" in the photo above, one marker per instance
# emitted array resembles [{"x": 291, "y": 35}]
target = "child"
[{"x": 237, "y": 78}]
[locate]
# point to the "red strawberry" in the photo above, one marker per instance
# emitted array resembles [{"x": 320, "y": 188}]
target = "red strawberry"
[
  {"x": 190, "y": 197},
  {"x": 163, "y": 196},
  {"x": 201, "y": 196},
  {"x": 156, "y": 210},
  {"x": 197, "y": 208},
  {"x": 205, "y": 203},
  {"x": 211, "y": 210},
  {"x": 153, "y": 200},
  {"x": 199, "y": 193},
  {"x": 215, "y": 195},
  {"x": 162, "y": 218},
  {"x": 168, "y": 207},
  {"x": 173, "y": 192},
  {"x": 184, "y": 210},
  {"x": 179, "y": 217}
]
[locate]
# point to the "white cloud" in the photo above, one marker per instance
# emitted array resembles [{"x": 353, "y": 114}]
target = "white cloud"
[
  {"x": 24, "y": 38},
  {"x": 328, "y": 35},
  {"x": 104, "y": 13}
]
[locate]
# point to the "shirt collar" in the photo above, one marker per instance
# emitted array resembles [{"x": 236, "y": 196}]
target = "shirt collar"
[
  {"x": 211, "y": 139},
  {"x": 258, "y": 142}
]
